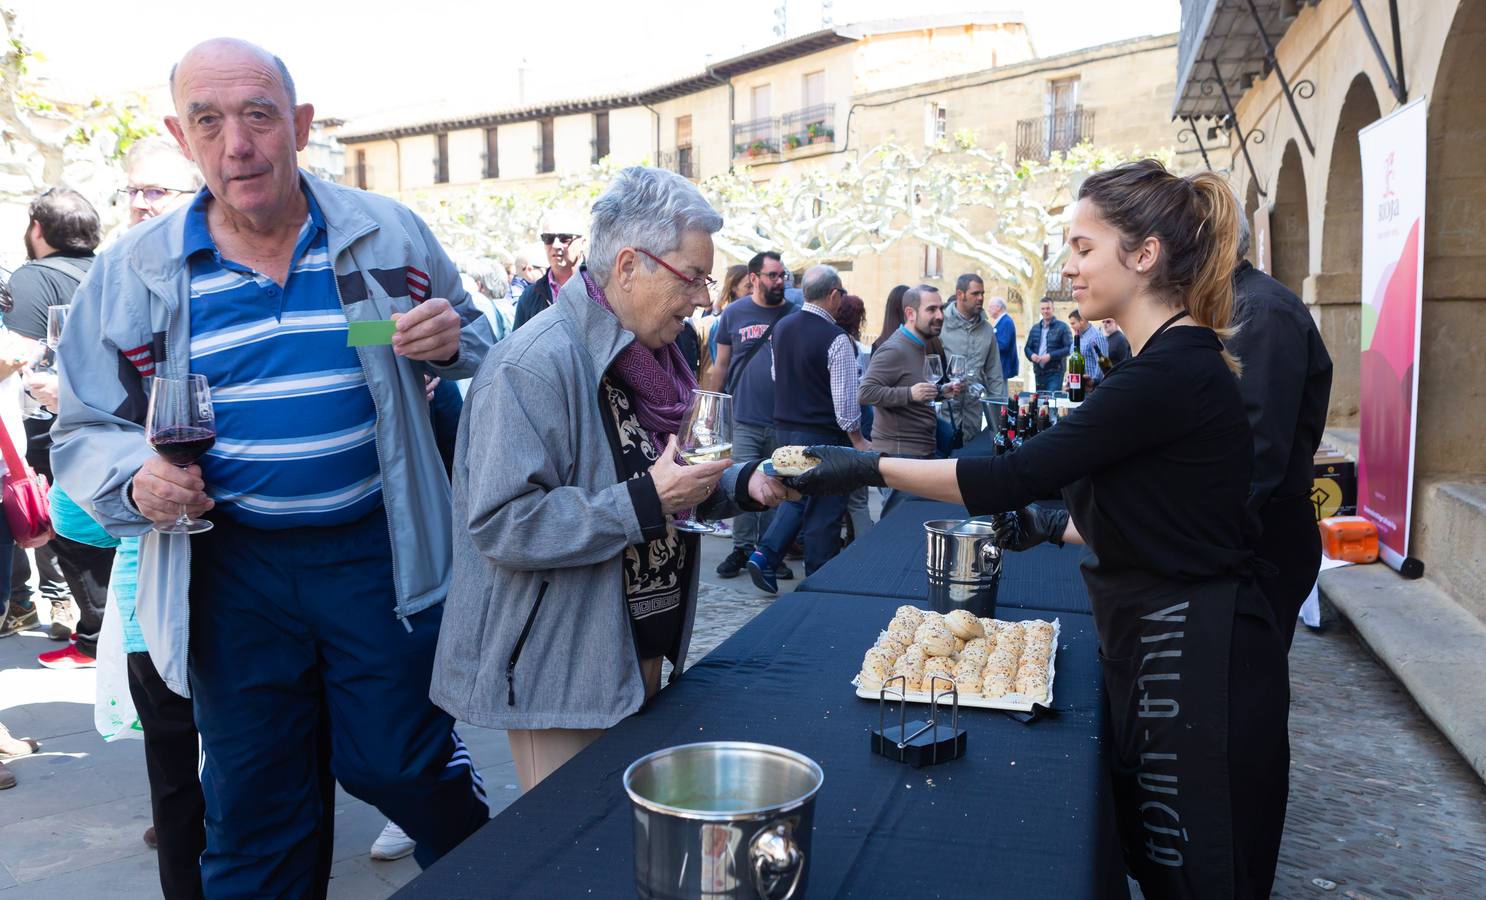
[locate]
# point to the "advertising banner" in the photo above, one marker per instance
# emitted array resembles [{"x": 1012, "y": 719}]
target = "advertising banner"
[{"x": 1393, "y": 154}]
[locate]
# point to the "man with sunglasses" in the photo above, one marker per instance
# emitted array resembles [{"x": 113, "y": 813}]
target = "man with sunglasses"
[{"x": 563, "y": 242}]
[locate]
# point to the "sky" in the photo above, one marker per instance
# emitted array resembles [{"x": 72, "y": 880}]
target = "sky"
[{"x": 351, "y": 59}]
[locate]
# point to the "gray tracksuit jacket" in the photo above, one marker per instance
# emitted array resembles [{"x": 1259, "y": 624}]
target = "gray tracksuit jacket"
[
  {"x": 130, "y": 320},
  {"x": 536, "y": 631}
]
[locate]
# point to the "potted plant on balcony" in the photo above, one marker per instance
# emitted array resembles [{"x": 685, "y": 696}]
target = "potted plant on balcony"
[
  {"x": 757, "y": 149},
  {"x": 819, "y": 133},
  {"x": 793, "y": 141}
]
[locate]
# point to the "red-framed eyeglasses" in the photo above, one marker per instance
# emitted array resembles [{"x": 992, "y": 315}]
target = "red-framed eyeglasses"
[{"x": 702, "y": 282}]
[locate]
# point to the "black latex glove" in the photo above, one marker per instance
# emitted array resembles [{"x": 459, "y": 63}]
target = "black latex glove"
[
  {"x": 1031, "y": 525},
  {"x": 841, "y": 471}
]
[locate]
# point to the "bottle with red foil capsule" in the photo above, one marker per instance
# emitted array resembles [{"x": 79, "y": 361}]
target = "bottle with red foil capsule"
[
  {"x": 1005, "y": 430},
  {"x": 1076, "y": 375}
]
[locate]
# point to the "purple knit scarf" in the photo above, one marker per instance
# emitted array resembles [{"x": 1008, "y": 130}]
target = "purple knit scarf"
[{"x": 661, "y": 379}]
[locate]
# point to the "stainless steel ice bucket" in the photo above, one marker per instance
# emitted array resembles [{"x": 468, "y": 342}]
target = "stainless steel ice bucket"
[
  {"x": 964, "y": 566},
  {"x": 722, "y": 820}
]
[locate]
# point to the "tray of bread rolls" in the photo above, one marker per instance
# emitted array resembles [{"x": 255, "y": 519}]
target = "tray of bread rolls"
[{"x": 994, "y": 664}]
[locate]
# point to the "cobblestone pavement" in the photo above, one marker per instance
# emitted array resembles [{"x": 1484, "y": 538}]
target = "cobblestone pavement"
[{"x": 1380, "y": 804}]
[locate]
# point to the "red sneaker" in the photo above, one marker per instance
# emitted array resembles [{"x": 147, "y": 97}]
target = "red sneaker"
[{"x": 68, "y": 657}]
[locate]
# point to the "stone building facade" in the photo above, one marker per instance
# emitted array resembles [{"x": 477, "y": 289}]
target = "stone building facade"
[
  {"x": 1313, "y": 200},
  {"x": 809, "y": 101}
]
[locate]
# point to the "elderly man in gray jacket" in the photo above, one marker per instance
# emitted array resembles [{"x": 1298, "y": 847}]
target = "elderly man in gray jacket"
[
  {"x": 311, "y": 610},
  {"x": 968, "y": 333},
  {"x": 570, "y": 583}
]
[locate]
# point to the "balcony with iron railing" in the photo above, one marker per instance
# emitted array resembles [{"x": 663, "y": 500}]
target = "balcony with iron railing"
[
  {"x": 683, "y": 161},
  {"x": 808, "y": 127},
  {"x": 1039, "y": 138},
  {"x": 1060, "y": 289},
  {"x": 756, "y": 141}
]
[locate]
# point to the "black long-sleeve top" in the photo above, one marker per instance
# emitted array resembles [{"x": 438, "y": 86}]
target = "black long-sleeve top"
[
  {"x": 1286, "y": 383},
  {"x": 1154, "y": 466}
]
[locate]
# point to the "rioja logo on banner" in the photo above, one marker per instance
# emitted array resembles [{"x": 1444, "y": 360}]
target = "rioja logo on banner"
[{"x": 1393, "y": 153}]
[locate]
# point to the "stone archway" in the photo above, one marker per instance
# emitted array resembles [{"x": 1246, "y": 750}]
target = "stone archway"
[
  {"x": 1290, "y": 223},
  {"x": 1338, "y": 285},
  {"x": 1452, "y": 367}
]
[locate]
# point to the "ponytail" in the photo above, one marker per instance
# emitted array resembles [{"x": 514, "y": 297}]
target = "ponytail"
[
  {"x": 1210, "y": 297},
  {"x": 1196, "y": 219}
]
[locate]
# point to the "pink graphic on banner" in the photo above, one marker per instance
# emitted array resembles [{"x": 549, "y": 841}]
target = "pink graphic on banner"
[{"x": 1387, "y": 399}]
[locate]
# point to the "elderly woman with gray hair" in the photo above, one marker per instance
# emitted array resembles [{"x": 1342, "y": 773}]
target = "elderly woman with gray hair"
[{"x": 570, "y": 585}]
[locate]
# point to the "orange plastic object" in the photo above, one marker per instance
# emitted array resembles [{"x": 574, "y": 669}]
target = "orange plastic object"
[{"x": 1351, "y": 538}]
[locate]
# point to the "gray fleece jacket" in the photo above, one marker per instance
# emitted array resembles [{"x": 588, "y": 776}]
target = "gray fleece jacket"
[{"x": 536, "y": 632}]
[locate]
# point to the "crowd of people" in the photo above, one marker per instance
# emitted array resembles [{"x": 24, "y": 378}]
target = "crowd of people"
[{"x": 415, "y": 532}]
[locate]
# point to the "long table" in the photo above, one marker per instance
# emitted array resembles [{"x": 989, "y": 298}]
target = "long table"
[
  {"x": 1024, "y": 814},
  {"x": 1021, "y": 815}
]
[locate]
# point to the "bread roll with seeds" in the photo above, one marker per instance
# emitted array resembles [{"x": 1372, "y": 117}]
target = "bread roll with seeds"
[
  {"x": 969, "y": 668},
  {"x": 879, "y": 655},
  {"x": 1033, "y": 686},
  {"x": 873, "y": 673},
  {"x": 979, "y": 648},
  {"x": 964, "y": 625},
  {"x": 892, "y": 645},
  {"x": 912, "y": 672},
  {"x": 942, "y": 666},
  {"x": 792, "y": 461},
  {"x": 995, "y": 685},
  {"x": 939, "y": 643}
]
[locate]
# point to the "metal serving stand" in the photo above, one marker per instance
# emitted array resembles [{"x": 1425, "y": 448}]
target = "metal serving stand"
[{"x": 919, "y": 743}]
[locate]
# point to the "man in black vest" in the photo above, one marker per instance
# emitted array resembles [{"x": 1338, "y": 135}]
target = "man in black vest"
[
  {"x": 61, "y": 236},
  {"x": 815, "y": 402}
]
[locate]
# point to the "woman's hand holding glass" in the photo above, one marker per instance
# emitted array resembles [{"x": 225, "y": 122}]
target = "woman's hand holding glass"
[{"x": 683, "y": 487}]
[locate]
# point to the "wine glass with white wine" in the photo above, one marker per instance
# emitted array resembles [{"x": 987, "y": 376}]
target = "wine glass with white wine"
[{"x": 707, "y": 436}]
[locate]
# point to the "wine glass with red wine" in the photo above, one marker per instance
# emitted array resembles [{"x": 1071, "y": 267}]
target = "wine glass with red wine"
[{"x": 181, "y": 427}]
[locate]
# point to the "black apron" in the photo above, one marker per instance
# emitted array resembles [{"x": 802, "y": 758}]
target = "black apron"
[
  {"x": 1198, "y": 700},
  {"x": 1196, "y": 681}
]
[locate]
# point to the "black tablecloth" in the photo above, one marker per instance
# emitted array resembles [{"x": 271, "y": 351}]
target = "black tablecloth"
[
  {"x": 982, "y": 445},
  {"x": 888, "y": 561},
  {"x": 1024, "y": 814}
]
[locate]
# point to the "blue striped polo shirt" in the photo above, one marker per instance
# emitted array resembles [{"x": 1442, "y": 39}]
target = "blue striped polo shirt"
[{"x": 296, "y": 427}]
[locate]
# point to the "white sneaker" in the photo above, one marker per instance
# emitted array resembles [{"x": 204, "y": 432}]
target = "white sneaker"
[{"x": 392, "y": 843}]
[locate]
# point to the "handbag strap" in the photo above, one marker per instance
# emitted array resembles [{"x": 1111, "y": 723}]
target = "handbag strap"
[
  {"x": 735, "y": 370},
  {"x": 70, "y": 269},
  {"x": 13, "y": 461}
]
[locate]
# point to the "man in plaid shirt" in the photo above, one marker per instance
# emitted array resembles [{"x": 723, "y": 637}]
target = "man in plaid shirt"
[
  {"x": 815, "y": 402},
  {"x": 1092, "y": 344}
]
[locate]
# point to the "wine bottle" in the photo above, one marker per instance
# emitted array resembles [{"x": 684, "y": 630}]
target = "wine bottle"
[{"x": 1076, "y": 375}]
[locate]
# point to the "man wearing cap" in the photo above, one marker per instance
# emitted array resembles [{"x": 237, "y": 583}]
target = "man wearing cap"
[{"x": 563, "y": 240}]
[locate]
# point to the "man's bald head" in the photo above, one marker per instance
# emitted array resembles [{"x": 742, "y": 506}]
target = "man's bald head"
[
  {"x": 237, "y": 118},
  {"x": 208, "y": 49}
]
